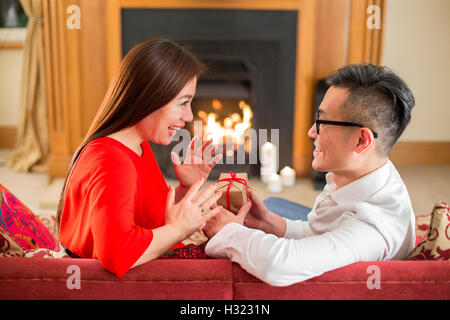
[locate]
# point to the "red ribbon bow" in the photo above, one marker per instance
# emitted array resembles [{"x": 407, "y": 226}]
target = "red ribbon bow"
[{"x": 230, "y": 180}]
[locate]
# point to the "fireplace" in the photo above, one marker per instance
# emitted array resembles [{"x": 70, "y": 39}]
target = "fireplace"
[{"x": 251, "y": 57}]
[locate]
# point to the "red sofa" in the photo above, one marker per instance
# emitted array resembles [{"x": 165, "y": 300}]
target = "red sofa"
[{"x": 214, "y": 279}]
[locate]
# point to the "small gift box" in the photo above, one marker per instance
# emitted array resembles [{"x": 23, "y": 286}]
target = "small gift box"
[{"x": 235, "y": 190}]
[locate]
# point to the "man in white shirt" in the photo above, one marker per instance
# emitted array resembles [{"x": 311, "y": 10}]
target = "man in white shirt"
[{"x": 364, "y": 212}]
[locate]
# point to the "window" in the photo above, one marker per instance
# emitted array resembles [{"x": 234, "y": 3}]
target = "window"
[{"x": 12, "y": 14}]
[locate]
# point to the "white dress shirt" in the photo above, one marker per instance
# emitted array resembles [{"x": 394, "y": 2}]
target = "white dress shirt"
[{"x": 369, "y": 219}]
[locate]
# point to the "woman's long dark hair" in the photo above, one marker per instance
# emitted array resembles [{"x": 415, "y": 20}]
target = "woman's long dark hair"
[{"x": 151, "y": 75}]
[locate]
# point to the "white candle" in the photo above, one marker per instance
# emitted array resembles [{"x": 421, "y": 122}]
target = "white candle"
[
  {"x": 265, "y": 177},
  {"x": 268, "y": 157},
  {"x": 275, "y": 185},
  {"x": 287, "y": 176}
]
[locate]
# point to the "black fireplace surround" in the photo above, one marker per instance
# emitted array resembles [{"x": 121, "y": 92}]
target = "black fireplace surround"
[{"x": 263, "y": 41}]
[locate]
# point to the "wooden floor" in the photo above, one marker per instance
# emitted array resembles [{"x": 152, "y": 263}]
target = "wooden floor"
[{"x": 426, "y": 185}]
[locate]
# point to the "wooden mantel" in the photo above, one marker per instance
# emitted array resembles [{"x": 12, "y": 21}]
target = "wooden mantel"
[{"x": 81, "y": 62}]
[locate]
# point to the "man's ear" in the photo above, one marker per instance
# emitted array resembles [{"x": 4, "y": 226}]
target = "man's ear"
[{"x": 366, "y": 139}]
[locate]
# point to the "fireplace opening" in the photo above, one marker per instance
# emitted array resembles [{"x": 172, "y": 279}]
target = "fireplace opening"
[
  {"x": 222, "y": 105},
  {"x": 223, "y": 101}
]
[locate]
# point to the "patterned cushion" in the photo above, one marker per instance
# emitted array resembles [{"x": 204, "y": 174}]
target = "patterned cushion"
[
  {"x": 436, "y": 245},
  {"x": 422, "y": 225},
  {"x": 20, "y": 225},
  {"x": 8, "y": 247},
  {"x": 46, "y": 253},
  {"x": 49, "y": 221}
]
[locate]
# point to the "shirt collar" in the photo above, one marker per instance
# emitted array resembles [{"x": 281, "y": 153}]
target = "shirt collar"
[{"x": 360, "y": 189}]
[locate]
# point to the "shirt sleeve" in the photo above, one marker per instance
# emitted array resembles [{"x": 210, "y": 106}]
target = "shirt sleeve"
[
  {"x": 297, "y": 229},
  {"x": 282, "y": 262},
  {"x": 118, "y": 241}
]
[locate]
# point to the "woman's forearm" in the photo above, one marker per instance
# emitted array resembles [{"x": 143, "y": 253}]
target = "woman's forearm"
[
  {"x": 182, "y": 218},
  {"x": 164, "y": 238}
]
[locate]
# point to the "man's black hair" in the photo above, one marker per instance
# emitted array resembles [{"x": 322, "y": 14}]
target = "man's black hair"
[{"x": 378, "y": 99}]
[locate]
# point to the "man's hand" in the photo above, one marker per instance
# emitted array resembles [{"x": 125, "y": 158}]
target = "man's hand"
[
  {"x": 263, "y": 219},
  {"x": 224, "y": 217},
  {"x": 257, "y": 217}
]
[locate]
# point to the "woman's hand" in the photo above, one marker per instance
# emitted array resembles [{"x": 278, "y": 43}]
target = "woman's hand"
[
  {"x": 190, "y": 214},
  {"x": 197, "y": 164},
  {"x": 181, "y": 220}
]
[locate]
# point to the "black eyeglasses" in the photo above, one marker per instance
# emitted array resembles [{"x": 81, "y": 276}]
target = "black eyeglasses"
[{"x": 340, "y": 123}]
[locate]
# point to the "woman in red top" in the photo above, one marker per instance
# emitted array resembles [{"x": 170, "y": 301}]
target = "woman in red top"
[{"x": 115, "y": 205}]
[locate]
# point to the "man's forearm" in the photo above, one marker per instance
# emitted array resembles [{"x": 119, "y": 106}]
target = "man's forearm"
[{"x": 275, "y": 225}]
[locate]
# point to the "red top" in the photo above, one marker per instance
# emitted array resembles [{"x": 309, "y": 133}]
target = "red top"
[{"x": 114, "y": 198}]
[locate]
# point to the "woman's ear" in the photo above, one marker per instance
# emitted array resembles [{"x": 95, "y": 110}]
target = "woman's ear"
[{"x": 366, "y": 139}]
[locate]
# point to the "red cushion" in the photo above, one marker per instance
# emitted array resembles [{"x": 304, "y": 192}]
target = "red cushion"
[
  {"x": 398, "y": 280},
  {"x": 174, "y": 279},
  {"x": 21, "y": 224},
  {"x": 199, "y": 279}
]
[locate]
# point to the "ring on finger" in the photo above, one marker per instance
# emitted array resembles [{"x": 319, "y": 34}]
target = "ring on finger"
[{"x": 204, "y": 211}]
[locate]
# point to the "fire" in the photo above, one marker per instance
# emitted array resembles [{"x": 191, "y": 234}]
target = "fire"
[
  {"x": 233, "y": 126},
  {"x": 216, "y": 104}
]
